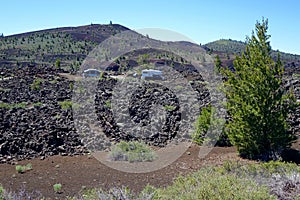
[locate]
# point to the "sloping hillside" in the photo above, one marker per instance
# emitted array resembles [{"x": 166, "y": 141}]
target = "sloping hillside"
[
  {"x": 227, "y": 46},
  {"x": 69, "y": 44},
  {"x": 227, "y": 49}
]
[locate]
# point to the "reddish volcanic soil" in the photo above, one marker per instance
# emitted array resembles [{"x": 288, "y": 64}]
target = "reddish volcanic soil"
[{"x": 78, "y": 172}]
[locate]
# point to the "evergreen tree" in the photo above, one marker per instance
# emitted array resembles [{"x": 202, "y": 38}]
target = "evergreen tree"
[
  {"x": 57, "y": 63},
  {"x": 218, "y": 63},
  {"x": 257, "y": 101}
]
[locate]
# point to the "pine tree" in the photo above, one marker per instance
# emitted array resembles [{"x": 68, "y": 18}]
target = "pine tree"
[
  {"x": 257, "y": 101},
  {"x": 218, "y": 63},
  {"x": 57, "y": 63}
]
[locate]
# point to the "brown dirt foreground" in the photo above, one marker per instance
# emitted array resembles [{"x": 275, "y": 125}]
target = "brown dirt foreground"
[{"x": 79, "y": 172}]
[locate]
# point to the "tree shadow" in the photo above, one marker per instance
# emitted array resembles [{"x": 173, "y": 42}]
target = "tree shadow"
[{"x": 291, "y": 155}]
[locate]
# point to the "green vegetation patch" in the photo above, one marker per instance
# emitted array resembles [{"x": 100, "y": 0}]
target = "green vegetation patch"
[
  {"x": 108, "y": 104},
  {"x": 209, "y": 183},
  {"x": 132, "y": 151},
  {"x": 23, "y": 168},
  {"x": 65, "y": 104},
  {"x": 234, "y": 180},
  {"x": 57, "y": 187},
  {"x": 206, "y": 120},
  {"x": 169, "y": 107},
  {"x": 38, "y": 104},
  {"x": 36, "y": 84},
  {"x": 13, "y": 105}
]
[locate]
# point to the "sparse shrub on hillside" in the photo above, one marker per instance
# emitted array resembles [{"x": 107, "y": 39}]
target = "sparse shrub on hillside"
[
  {"x": 71, "y": 86},
  {"x": 57, "y": 63},
  {"x": 13, "y": 105},
  {"x": 257, "y": 102},
  {"x": 65, "y": 104},
  {"x": 37, "y": 104},
  {"x": 23, "y": 168},
  {"x": 108, "y": 103},
  {"x": 169, "y": 107},
  {"x": 230, "y": 46},
  {"x": 36, "y": 84},
  {"x": 102, "y": 76}
]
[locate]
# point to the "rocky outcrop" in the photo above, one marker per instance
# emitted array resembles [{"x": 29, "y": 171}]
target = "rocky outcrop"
[{"x": 33, "y": 123}]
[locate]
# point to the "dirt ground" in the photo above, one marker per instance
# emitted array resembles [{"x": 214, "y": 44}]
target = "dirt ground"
[
  {"x": 80, "y": 172},
  {"x": 83, "y": 172}
]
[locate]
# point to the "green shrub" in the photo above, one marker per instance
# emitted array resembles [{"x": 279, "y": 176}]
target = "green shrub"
[
  {"x": 202, "y": 125},
  {"x": 209, "y": 183},
  {"x": 71, "y": 86},
  {"x": 132, "y": 151},
  {"x": 208, "y": 120},
  {"x": 13, "y": 105},
  {"x": 296, "y": 75},
  {"x": 266, "y": 169},
  {"x": 36, "y": 84},
  {"x": 65, "y": 104},
  {"x": 108, "y": 104},
  {"x": 57, "y": 187},
  {"x": 5, "y": 105},
  {"x": 1, "y": 191},
  {"x": 23, "y": 168},
  {"x": 20, "y": 105},
  {"x": 101, "y": 77},
  {"x": 57, "y": 63},
  {"x": 169, "y": 108},
  {"x": 38, "y": 104}
]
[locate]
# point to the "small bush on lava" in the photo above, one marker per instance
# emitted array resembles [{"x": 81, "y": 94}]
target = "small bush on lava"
[
  {"x": 132, "y": 152},
  {"x": 169, "y": 107},
  {"x": 65, "y": 104},
  {"x": 23, "y": 168},
  {"x": 36, "y": 84},
  {"x": 13, "y": 105},
  {"x": 57, "y": 187}
]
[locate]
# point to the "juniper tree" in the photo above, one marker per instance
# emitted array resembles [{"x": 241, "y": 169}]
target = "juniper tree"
[
  {"x": 218, "y": 63},
  {"x": 57, "y": 63},
  {"x": 257, "y": 101}
]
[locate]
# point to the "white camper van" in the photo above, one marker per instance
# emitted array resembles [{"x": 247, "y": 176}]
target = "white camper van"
[
  {"x": 152, "y": 74},
  {"x": 91, "y": 73}
]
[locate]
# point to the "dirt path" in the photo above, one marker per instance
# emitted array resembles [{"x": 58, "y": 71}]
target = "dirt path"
[{"x": 75, "y": 173}]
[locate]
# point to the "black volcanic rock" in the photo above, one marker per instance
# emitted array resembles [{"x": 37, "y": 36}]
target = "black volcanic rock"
[{"x": 33, "y": 122}]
